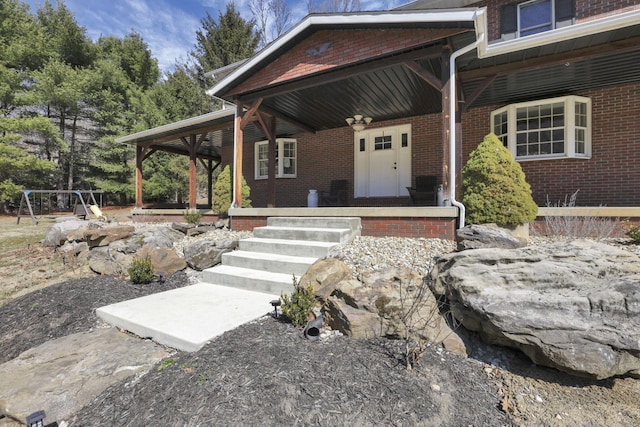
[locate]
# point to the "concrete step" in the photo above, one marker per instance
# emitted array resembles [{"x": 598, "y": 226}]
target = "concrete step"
[
  {"x": 316, "y": 222},
  {"x": 287, "y": 247},
  {"x": 336, "y": 235},
  {"x": 249, "y": 279},
  {"x": 271, "y": 262}
]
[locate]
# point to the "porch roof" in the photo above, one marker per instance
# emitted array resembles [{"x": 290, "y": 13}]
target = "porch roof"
[
  {"x": 593, "y": 54},
  {"x": 218, "y": 126}
]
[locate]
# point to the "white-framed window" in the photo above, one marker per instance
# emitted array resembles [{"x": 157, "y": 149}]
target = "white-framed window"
[
  {"x": 535, "y": 17},
  {"x": 525, "y": 18},
  {"x": 545, "y": 129},
  {"x": 286, "y": 158}
]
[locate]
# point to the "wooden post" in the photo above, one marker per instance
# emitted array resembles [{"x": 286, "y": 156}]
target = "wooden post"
[
  {"x": 140, "y": 154},
  {"x": 193, "y": 180},
  {"x": 209, "y": 183},
  {"x": 446, "y": 114},
  {"x": 271, "y": 185},
  {"x": 237, "y": 170}
]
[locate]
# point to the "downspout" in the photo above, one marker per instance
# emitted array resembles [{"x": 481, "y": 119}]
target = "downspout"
[{"x": 453, "y": 98}]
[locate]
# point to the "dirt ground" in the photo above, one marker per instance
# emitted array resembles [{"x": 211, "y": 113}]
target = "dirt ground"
[{"x": 265, "y": 373}]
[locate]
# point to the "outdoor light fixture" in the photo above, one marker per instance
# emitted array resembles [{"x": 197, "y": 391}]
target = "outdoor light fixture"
[{"x": 358, "y": 122}]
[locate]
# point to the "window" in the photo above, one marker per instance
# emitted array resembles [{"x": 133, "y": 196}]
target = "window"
[
  {"x": 553, "y": 128},
  {"x": 523, "y": 19},
  {"x": 535, "y": 17},
  {"x": 286, "y": 151},
  {"x": 382, "y": 142}
]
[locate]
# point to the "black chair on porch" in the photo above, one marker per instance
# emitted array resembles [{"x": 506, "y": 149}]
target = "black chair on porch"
[
  {"x": 337, "y": 194},
  {"x": 425, "y": 191}
]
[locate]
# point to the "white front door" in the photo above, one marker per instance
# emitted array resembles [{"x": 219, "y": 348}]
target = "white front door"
[
  {"x": 383, "y": 169},
  {"x": 383, "y": 162}
]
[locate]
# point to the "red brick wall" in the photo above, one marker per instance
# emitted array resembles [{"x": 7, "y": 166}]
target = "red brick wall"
[
  {"x": 346, "y": 47},
  {"x": 328, "y": 155},
  {"x": 611, "y": 177}
]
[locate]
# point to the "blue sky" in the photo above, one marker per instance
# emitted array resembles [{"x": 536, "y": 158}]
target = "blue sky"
[{"x": 167, "y": 26}]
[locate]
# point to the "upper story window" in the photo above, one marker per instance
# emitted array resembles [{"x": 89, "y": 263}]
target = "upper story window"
[
  {"x": 552, "y": 128},
  {"x": 522, "y": 19},
  {"x": 286, "y": 159}
]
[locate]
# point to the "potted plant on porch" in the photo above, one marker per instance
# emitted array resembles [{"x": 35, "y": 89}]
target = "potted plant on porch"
[{"x": 495, "y": 190}]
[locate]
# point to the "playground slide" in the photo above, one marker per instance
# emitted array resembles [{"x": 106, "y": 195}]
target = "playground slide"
[{"x": 95, "y": 210}]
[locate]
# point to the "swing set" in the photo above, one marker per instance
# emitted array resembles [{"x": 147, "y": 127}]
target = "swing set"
[{"x": 83, "y": 201}]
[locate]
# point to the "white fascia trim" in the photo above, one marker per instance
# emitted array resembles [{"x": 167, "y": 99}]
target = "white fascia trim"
[
  {"x": 446, "y": 15},
  {"x": 582, "y": 29},
  {"x": 150, "y": 133}
]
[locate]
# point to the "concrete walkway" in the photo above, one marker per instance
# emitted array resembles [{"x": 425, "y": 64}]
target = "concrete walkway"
[{"x": 187, "y": 318}]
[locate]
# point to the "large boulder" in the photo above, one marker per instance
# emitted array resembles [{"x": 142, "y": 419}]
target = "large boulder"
[
  {"x": 574, "y": 306},
  {"x": 325, "y": 276},
  {"x": 106, "y": 235},
  {"x": 57, "y": 233},
  {"x": 160, "y": 236},
  {"x": 105, "y": 260},
  {"x": 486, "y": 236},
  {"x": 206, "y": 253},
  {"x": 164, "y": 260},
  {"x": 394, "y": 302}
]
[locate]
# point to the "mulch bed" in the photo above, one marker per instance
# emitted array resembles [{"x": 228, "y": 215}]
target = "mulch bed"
[{"x": 262, "y": 373}]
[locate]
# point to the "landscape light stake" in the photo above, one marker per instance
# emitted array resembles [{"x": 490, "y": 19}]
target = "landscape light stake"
[
  {"x": 275, "y": 303},
  {"x": 36, "y": 419}
]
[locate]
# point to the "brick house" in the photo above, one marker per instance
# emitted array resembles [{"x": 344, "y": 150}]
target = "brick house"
[{"x": 557, "y": 80}]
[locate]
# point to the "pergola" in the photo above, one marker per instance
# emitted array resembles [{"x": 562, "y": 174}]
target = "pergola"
[{"x": 201, "y": 138}]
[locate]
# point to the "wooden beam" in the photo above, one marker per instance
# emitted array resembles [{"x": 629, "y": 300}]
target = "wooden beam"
[
  {"x": 547, "y": 61},
  {"x": 285, "y": 118},
  {"x": 332, "y": 76},
  {"x": 424, "y": 74},
  {"x": 182, "y": 152},
  {"x": 477, "y": 92},
  {"x": 249, "y": 114}
]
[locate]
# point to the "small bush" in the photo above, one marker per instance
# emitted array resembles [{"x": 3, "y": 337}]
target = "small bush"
[
  {"x": 298, "y": 307},
  {"x": 634, "y": 233},
  {"x": 141, "y": 270},
  {"x": 223, "y": 192},
  {"x": 494, "y": 187},
  {"x": 192, "y": 216}
]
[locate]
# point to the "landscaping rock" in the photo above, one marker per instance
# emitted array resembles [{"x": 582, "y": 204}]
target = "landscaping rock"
[
  {"x": 206, "y": 253},
  {"x": 573, "y": 306},
  {"x": 182, "y": 227},
  {"x": 163, "y": 237},
  {"x": 164, "y": 260},
  {"x": 106, "y": 235},
  {"x": 394, "y": 302},
  {"x": 485, "y": 236},
  {"x": 57, "y": 233},
  {"x": 61, "y": 376},
  {"x": 105, "y": 260},
  {"x": 325, "y": 276}
]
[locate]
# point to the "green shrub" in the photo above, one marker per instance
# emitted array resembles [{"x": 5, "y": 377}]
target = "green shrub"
[
  {"x": 223, "y": 193},
  {"x": 494, "y": 187},
  {"x": 141, "y": 270},
  {"x": 298, "y": 307},
  {"x": 192, "y": 216},
  {"x": 634, "y": 233}
]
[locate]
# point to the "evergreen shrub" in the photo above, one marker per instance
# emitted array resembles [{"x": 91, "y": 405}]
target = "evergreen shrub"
[
  {"x": 494, "y": 187},
  {"x": 299, "y": 305},
  {"x": 223, "y": 192},
  {"x": 141, "y": 270}
]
